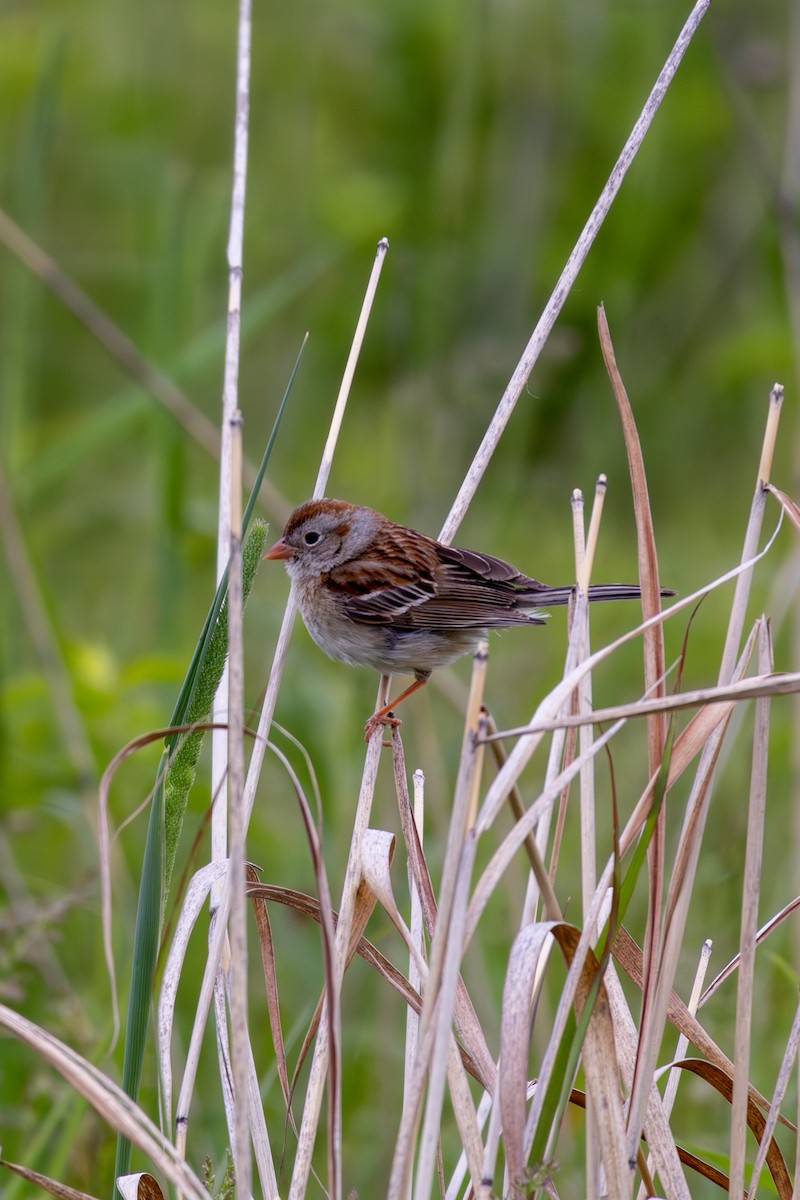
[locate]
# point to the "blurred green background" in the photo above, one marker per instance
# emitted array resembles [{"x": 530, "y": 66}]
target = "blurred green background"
[{"x": 476, "y": 137}]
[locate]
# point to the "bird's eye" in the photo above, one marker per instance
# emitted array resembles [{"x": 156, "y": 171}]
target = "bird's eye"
[{"x": 311, "y": 537}]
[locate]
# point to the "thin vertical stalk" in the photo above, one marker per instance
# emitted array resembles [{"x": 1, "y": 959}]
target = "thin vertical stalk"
[
  {"x": 230, "y": 390},
  {"x": 281, "y": 649},
  {"x": 227, "y": 744},
  {"x": 568, "y": 276},
  {"x": 236, "y": 875},
  {"x": 750, "y": 896},
  {"x": 417, "y": 933},
  {"x": 688, "y": 851},
  {"x": 353, "y": 871}
]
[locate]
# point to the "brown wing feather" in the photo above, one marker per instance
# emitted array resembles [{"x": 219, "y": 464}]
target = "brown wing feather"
[
  {"x": 446, "y": 587},
  {"x": 434, "y": 587}
]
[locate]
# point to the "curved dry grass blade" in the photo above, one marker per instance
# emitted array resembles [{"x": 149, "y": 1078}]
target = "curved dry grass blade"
[
  {"x": 653, "y": 641},
  {"x": 764, "y": 932},
  {"x": 598, "y": 1054},
  {"x": 219, "y": 923},
  {"x": 142, "y": 1186},
  {"x": 53, "y": 1186},
  {"x": 193, "y": 903},
  {"x": 308, "y": 906},
  {"x": 113, "y": 1105},
  {"x": 522, "y": 975},
  {"x": 789, "y": 507},
  {"x": 364, "y": 905},
  {"x": 267, "y": 947},
  {"x": 377, "y": 852},
  {"x": 756, "y": 1122},
  {"x": 629, "y": 957}
]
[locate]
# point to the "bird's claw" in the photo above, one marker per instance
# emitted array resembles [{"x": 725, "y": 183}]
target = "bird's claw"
[{"x": 378, "y": 721}]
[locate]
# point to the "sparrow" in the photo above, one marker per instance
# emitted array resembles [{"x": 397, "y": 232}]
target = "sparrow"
[{"x": 376, "y": 594}]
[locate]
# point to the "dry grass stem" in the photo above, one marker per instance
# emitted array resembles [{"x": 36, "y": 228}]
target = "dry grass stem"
[
  {"x": 682, "y": 879},
  {"x": 282, "y": 647},
  {"x": 568, "y": 276},
  {"x": 750, "y": 898}
]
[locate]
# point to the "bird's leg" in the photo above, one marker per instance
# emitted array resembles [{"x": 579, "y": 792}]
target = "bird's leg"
[{"x": 382, "y": 717}]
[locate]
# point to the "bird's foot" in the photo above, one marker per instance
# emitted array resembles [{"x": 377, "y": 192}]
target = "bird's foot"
[{"x": 377, "y": 721}]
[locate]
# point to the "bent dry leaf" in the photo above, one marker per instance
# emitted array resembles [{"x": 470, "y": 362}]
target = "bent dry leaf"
[{"x": 599, "y": 1054}]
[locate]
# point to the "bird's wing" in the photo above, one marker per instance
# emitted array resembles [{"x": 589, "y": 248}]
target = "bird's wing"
[{"x": 441, "y": 587}]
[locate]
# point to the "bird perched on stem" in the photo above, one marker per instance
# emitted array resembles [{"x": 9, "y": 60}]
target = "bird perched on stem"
[{"x": 381, "y": 595}]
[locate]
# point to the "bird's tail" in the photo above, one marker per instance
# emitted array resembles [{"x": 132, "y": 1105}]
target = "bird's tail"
[{"x": 597, "y": 591}]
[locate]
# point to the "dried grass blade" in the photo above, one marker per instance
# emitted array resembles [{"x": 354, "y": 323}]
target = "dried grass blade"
[
  {"x": 568, "y": 276},
  {"x": 364, "y": 905},
  {"x": 754, "y": 848},
  {"x": 448, "y": 941},
  {"x": 465, "y": 1115},
  {"x": 789, "y": 1057},
  {"x": 282, "y": 646},
  {"x": 218, "y": 937},
  {"x": 515, "y": 838},
  {"x": 756, "y": 1122},
  {"x": 46, "y": 1184},
  {"x": 552, "y": 909},
  {"x": 522, "y": 974},
  {"x": 109, "y": 1100},
  {"x": 663, "y": 1158},
  {"x": 465, "y": 1017},
  {"x": 319, "y": 1063},
  {"x": 583, "y": 990},
  {"x": 417, "y": 920},
  {"x": 682, "y": 879},
  {"x": 267, "y": 947},
  {"x": 579, "y": 632},
  {"x": 764, "y": 932},
  {"x": 653, "y": 639},
  {"x": 194, "y": 900},
  {"x": 629, "y": 957},
  {"x": 141, "y": 1186},
  {"x": 441, "y": 1016},
  {"x": 674, "y": 1077},
  {"x": 789, "y": 506}
]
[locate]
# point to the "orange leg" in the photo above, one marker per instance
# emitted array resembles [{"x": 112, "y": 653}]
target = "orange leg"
[{"x": 382, "y": 717}]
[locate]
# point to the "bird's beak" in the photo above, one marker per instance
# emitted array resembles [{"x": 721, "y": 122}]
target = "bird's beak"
[{"x": 280, "y": 550}]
